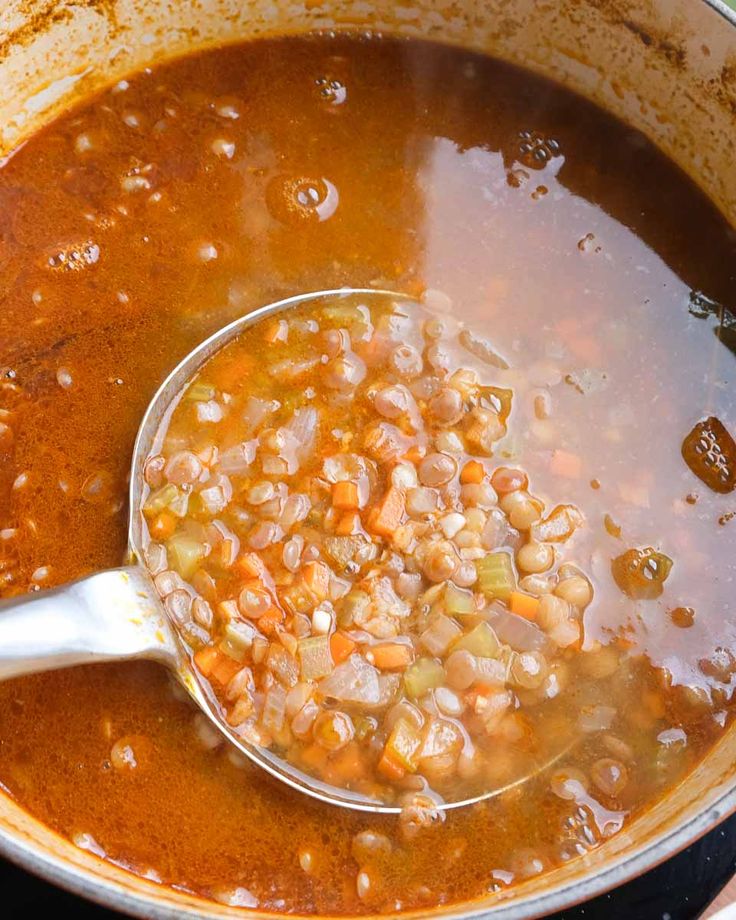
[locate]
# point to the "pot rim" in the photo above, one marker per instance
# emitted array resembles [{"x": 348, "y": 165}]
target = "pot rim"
[{"x": 34, "y": 858}]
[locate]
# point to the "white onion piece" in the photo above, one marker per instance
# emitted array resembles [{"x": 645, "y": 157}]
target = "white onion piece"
[
  {"x": 208, "y": 412},
  {"x": 519, "y": 633},
  {"x": 257, "y": 410},
  {"x": 237, "y": 460},
  {"x": 353, "y": 681},
  {"x": 296, "y": 508},
  {"x": 303, "y": 428}
]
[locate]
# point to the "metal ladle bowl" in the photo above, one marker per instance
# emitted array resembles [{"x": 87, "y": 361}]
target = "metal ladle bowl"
[{"x": 117, "y": 614}]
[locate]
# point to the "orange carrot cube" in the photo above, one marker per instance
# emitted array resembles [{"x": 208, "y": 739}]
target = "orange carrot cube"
[
  {"x": 472, "y": 472},
  {"x": 345, "y": 496},
  {"x": 385, "y": 518}
]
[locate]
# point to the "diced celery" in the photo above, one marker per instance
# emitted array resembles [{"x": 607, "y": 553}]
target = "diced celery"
[
  {"x": 403, "y": 744},
  {"x": 315, "y": 658},
  {"x": 199, "y": 391},
  {"x": 496, "y": 577},
  {"x": 167, "y": 498},
  {"x": 423, "y": 676},
  {"x": 237, "y": 640},
  {"x": 481, "y": 641},
  {"x": 185, "y": 554},
  {"x": 459, "y": 600}
]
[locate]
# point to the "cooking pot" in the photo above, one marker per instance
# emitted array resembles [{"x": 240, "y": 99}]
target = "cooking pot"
[{"x": 667, "y": 67}]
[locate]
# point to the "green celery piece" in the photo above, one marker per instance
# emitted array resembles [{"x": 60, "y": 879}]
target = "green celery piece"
[
  {"x": 496, "y": 577},
  {"x": 481, "y": 641},
  {"x": 459, "y": 601},
  {"x": 200, "y": 392},
  {"x": 161, "y": 499},
  {"x": 422, "y": 676}
]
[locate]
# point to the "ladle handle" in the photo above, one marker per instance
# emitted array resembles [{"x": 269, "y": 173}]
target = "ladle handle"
[{"x": 109, "y": 616}]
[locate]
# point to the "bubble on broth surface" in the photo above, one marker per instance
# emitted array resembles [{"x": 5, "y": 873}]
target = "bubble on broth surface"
[
  {"x": 74, "y": 257},
  {"x": 536, "y": 150},
  {"x": 330, "y": 90},
  {"x": 300, "y": 199}
]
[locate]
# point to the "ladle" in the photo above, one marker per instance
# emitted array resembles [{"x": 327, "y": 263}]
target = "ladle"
[{"x": 117, "y": 614}]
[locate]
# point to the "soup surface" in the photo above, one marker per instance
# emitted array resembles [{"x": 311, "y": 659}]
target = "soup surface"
[{"x": 187, "y": 196}]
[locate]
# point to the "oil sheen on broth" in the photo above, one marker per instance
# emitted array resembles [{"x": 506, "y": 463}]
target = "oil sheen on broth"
[{"x": 180, "y": 199}]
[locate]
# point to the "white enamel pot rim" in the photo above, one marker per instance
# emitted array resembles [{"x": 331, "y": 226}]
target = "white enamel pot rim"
[{"x": 606, "y": 49}]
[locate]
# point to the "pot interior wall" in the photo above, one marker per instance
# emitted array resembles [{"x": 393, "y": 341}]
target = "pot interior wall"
[{"x": 669, "y": 68}]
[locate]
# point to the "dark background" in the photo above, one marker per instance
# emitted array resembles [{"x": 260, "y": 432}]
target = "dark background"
[{"x": 679, "y": 889}]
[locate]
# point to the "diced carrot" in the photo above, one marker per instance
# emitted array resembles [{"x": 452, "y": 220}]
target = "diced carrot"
[
  {"x": 564, "y": 463},
  {"x": 414, "y": 454},
  {"x": 472, "y": 472},
  {"x": 391, "y": 656},
  {"x": 250, "y": 565},
  {"x": 390, "y": 769},
  {"x": 270, "y": 620},
  {"x": 345, "y": 496},
  {"x": 348, "y": 524},
  {"x": 216, "y": 665},
  {"x": 225, "y": 669},
  {"x": 163, "y": 526},
  {"x": 385, "y": 518},
  {"x": 205, "y": 659},
  {"x": 341, "y": 647},
  {"x": 316, "y": 576},
  {"x": 524, "y": 605}
]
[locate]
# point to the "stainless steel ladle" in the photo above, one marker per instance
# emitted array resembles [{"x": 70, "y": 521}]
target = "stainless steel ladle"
[{"x": 117, "y": 614}]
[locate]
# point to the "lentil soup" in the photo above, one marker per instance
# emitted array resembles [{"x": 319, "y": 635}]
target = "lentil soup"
[{"x": 572, "y": 403}]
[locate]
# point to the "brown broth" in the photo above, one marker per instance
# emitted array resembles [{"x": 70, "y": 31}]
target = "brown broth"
[{"x": 587, "y": 252}]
